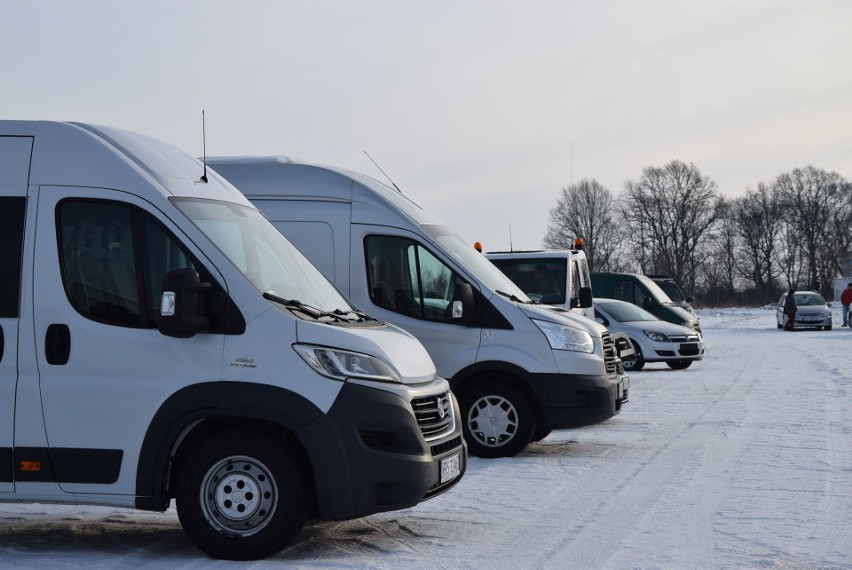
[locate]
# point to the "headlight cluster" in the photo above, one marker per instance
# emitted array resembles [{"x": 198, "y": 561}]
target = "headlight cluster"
[
  {"x": 657, "y": 336},
  {"x": 562, "y": 337},
  {"x": 343, "y": 364}
]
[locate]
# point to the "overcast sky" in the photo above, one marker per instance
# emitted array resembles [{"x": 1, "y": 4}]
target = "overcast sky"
[{"x": 480, "y": 111}]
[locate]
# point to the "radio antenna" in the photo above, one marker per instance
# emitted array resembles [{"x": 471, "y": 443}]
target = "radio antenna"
[
  {"x": 511, "y": 248},
  {"x": 383, "y": 172},
  {"x": 204, "y": 146}
]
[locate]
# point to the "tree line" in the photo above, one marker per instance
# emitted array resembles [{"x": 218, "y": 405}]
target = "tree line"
[{"x": 794, "y": 231}]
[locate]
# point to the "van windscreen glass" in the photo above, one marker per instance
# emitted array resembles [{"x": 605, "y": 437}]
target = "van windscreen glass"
[
  {"x": 473, "y": 261},
  {"x": 264, "y": 256}
]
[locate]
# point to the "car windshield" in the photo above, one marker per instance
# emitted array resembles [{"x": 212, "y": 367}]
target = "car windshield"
[
  {"x": 270, "y": 262},
  {"x": 625, "y": 312},
  {"x": 809, "y": 299},
  {"x": 473, "y": 261},
  {"x": 655, "y": 290}
]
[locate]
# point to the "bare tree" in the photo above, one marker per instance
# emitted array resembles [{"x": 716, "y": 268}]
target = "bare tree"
[
  {"x": 586, "y": 209},
  {"x": 669, "y": 211},
  {"x": 758, "y": 217},
  {"x": 812, "y": 198}
]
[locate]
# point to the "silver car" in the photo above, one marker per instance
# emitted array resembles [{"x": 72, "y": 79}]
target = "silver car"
[
  {"x": 812, "y": 312},
  {"x": 653, "y": 340}
]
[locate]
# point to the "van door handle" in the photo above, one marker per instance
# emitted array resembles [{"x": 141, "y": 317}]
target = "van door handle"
[
  {"x": 2, "y": 343},
  {"x": 57, "y": 344}
]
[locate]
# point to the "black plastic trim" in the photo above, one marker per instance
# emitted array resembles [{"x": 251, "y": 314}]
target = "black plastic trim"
[
  {"x": 6, "y": 459},
  {"x": 12, "y": 219},
  {"x": 575, "y": 400},
  {"x": 64, "y": 464}
]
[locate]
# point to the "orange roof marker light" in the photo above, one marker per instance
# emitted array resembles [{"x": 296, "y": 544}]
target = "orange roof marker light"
[
  {"x": 477, "y": 246},
  {"x": 578, "y": 243}
]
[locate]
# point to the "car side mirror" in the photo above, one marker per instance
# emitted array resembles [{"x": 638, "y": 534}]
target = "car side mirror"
[
  {"x": 690, "y": 299},
  {"x": 463, "y": 303},
  {"x": 182, "y": 306}
]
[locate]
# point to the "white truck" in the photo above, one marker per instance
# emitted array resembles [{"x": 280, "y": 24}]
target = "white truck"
[
  {"x": 159, "y": 339},
  {"x": 518, "y": 368},
  {"x": 558, "y": 277}
]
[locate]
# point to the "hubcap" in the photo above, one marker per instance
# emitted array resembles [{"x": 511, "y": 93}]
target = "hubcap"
[
  {"x": 238, "y": 496},
  {"x": 492, "y": 420}
]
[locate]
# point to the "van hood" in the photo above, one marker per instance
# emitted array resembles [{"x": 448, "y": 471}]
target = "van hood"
[
  {"x": 397, "y": 348},
  {"x": 564, "y": 317}
]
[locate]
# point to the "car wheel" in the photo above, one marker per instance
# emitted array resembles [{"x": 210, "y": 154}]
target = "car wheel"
[
  {"x": 498, "y": 420},
  {"x": 633, "y": 363},
  {"x": 240, "y": 495},
  {"x": 679, "y": 364},
  {"x": 828, "y": 328}
]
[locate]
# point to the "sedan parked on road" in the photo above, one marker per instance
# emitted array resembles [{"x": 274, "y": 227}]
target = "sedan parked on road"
[
  {"x": 653, "y": 340},
  {"x": 812, "y": 312}
]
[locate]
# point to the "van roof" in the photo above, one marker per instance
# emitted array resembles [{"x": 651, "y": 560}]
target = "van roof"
[
  {"x": 80, "y": 154},
  {"x": 287, "y": 177}
]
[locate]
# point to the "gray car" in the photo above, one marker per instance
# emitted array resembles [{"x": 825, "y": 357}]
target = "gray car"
[
  {"x": 654, "y": 340},
  {"x": 812, "y": 312}
]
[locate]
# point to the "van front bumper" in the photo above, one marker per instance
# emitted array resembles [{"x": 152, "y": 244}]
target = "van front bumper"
[
  {"x": 575, "y": 400},
  {"x": 369, "y": 455}
]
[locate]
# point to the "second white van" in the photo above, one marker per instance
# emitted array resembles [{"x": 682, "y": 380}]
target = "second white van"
[{"x": 518, "y": 368}]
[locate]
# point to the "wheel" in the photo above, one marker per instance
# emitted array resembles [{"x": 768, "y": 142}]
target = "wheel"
[
  {"x": 540, "y": 432},
  {"x": 679, "y": 364},
  {"x": 498, "y": 420},
  {"x": 636, "y": 362},
  {"x": 780, "y": 326},
  {"x": 828, "y": 328},
  {"x": 240, "y": 495}
]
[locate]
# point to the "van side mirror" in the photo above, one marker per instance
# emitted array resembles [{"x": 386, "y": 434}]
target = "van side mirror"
[
  {"x": 585, "y": 297},
  {"x": 463, "y": 303},
  {"x": 690, "y": 299},
  {"x": 182, "y": 306}
]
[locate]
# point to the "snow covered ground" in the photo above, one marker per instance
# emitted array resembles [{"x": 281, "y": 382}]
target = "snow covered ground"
[{"x": 742, "y": 461}]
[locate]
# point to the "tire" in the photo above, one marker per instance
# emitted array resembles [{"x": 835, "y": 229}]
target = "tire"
[
  {"x": 498, "y": 420},
  {"x": 240, "y": 495},
  {"x": 637, "y": 362},
  {"x": 540, "y": 432},
  {"x": 828, "y": 328},
  {"x": 679, "y": 364}
]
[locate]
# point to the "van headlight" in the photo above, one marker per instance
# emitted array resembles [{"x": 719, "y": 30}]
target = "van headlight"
[
  {"x": 343, "y": 364},
  {"x": 562, "y": 337}
]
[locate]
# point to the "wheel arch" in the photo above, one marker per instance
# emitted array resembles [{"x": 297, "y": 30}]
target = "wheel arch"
[
  {"x": 498, "y": 371},
  {"x": 201, "y": 410}
]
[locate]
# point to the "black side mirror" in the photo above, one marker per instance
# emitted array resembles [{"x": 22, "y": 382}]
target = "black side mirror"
[
  {"x": 463, "y": 304},
  {"x": 690, "y": 299},
  {"x": 585, "y": 297},
  {"x": 183, "y": 304}
]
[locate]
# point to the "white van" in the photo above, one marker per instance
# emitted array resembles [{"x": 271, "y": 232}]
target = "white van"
[
  {"x": 160, "y": 339},
  {"x": 558, "y": 277},
  {"x": 519, "y": 369}
]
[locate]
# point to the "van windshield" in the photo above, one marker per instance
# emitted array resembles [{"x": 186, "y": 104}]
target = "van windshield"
[
  {"x": 474, "y": 262},
  {"x": 270, "y": 262}
]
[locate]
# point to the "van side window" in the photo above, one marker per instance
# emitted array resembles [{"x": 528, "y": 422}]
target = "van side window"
[
  {"x": 12, "y": 213},
  {"x": 103, "y": 245},
  {"x": 405, "y": 277}
]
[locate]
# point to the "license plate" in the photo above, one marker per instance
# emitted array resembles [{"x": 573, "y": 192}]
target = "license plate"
[{"x": 450, "y": 468}]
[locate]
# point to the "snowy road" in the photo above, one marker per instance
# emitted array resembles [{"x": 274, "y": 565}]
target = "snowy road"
[{"x": 742, "y": 461}]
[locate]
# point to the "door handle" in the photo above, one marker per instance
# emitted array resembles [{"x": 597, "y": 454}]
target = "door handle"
[
  {"x": 57, "y": 344},
  {"x": 2, "y": 343}
]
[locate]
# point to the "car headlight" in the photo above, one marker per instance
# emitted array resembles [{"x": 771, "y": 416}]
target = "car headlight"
[
  {"x": 688, "y": 324},
  {"x": 562, "y": 337},
  {"x": 826, "y": 312},
  {"x": 656, "y": 336},
  {"x": 343, "y": 364}
]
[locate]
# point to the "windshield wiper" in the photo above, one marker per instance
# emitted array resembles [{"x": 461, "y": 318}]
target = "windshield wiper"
[
  {"x": 514, "y": 298},
  {"x": 337, "y": 314}
]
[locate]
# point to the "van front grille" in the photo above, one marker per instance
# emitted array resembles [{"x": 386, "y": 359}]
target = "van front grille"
[
  {"x": 434, "y": 415},
  {"x": 609, "y": 354}
]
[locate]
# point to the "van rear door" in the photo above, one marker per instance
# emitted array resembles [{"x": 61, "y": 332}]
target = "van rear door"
[{"x": 14, "y": 174}]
